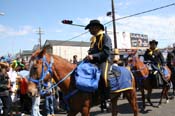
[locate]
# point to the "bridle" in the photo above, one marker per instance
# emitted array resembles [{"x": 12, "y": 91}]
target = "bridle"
[
  {"x": 40, "y": 81},
  {"x": 133, "y": 64}
]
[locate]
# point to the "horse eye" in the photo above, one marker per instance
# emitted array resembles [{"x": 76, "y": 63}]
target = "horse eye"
[
  {"x": 130, "y": 60},
  {"x": 35, "y": 67}
]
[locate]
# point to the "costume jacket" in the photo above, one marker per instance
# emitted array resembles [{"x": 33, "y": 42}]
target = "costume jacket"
[
  {"x": 100, "y": 48},
  {"x": 155, "y": 56}
]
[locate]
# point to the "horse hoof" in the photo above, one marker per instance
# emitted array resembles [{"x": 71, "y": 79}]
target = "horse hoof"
[
  {"x": 158, "y": 106},
  {"x": 167, "y": 101}
]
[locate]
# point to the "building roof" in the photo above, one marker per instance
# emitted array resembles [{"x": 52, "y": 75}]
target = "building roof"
[
  {"x": 66, "y": 43},
  {"x": 26, "y": 52}
]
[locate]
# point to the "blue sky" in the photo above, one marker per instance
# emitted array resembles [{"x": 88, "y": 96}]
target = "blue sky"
[{"x": 22, "y": 18}]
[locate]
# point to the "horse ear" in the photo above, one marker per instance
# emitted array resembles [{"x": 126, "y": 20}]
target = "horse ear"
[{"x": 43, "y": 52}]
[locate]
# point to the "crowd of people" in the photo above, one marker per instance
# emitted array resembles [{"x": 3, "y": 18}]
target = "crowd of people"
[
  {"x": 16, "y": 71},
  {"x": 14, "y": 76}
]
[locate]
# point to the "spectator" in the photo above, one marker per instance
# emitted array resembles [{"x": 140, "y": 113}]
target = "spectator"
[
  {"x": 25, "y": 100},
  {"x": 5, "y": 89},
  {"x": 35, "y": 105},
  {"x": 75, "y": 61},
  {"x": 49, "y": 100}
]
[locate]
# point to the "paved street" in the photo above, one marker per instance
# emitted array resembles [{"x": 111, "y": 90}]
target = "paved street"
[{"x": 125, "y": 109}]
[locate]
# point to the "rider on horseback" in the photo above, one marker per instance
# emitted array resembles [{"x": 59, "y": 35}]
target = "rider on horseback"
[
  {"x": 99, "y": 53},
  {"x": 154, "y": 55}
]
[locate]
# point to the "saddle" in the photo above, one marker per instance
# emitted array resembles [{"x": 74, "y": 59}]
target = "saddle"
[
  {"x": 158, "y": 78},
  {"x": 119, "y": 79}
]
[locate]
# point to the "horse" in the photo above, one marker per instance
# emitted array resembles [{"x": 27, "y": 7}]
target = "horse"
[
  {"x": 145, "y": 81},
  {"x": 61, "y": 70},
  {"x": 171, "y": 64}
]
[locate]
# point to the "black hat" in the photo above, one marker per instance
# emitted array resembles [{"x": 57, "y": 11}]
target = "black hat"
[
  {"x": 153, "y": 41},
  {"x": 94, "y": 23}
]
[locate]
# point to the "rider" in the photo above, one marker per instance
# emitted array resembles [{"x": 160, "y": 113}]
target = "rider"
[
  {"x": 99, "y": 53},
  {"x": 5, "y": 88},
  {"x": 171, "y": 58},
  {"x": 154, "y": 55}
]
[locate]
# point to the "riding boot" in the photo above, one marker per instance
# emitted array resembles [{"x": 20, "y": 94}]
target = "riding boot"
[{"x": 105, "y": 98}]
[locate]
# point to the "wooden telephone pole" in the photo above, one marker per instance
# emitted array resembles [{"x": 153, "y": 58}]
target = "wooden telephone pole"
[
  {"x": 40, "y": 32},
  {"x": 113, "y": 20}
]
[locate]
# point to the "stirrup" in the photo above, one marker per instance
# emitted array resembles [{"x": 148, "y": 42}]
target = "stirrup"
[{"x": 155, "y": 72}]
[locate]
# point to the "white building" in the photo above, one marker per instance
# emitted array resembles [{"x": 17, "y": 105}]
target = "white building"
[{"x": 67, "y": 49}]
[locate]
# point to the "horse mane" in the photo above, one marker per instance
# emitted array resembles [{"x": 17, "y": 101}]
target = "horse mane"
[
  {"x": 40, "y": 53},
  {"x": 61, "y": 61}
]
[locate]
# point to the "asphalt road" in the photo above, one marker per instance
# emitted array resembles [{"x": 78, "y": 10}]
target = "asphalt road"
[{"x": 125, "y": 109}]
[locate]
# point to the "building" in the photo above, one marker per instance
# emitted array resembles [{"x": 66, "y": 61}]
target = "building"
[
  {"x": 67, "y": 49},
  {"x": 26, "y": 54}
]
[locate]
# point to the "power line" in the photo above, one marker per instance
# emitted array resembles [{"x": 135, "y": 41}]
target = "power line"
[
  {"x": 147, "y": 11},
  {"x": 75, "y": 37},
  {"x": 142, "y": 12}
]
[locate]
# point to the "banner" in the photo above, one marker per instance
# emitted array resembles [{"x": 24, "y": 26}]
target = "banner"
[
  {"x": 139, "y": 40},
  {"x": 123, "y": 40}
]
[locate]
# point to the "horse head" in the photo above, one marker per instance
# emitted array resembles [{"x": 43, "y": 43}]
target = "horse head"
[
  {"x": 44, "y": 66},
  {"x": 138, "y": 67},
  {"x": 39, "y": 72}
]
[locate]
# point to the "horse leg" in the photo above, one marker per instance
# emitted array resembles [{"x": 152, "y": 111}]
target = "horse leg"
[
  {"x": 86, "y": 111},
  {"x": 149, "y": 97},
  {"x": 72, "y": 113},
  {"x": 164, "y": 93},
  {"x": 132, "y": 99},
  {"x": 161, "y": 97},
  {"x": 114, "y": 105},
  {"x": 143, "y": 97},
  {"x": 173, "y": 84}
]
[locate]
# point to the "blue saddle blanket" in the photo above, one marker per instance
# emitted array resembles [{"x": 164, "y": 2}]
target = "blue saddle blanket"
[
  {"x": 121, "y": 82},
  {"x": 165, "y": 72},
  {"x": 87, "y": 77}
]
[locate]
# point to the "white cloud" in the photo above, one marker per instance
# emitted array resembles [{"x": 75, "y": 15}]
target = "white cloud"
[
  {"x": 6, "y": 31},
  {"x": 123, "y": 4},
  {"x": 159, "y": 28},
  {"x": 58, "y": 31},
  {"x": 156, "y": 27}
]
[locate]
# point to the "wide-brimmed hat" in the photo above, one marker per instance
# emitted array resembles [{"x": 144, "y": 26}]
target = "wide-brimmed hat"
[
  {"x": 153, "y": 41},
  {"x": 94, "y": 23}
]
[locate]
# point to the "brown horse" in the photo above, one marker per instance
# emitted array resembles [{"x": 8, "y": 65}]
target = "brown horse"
[
  {"x": 60, "y": 69},
  {"x": 142, "y": 73}
]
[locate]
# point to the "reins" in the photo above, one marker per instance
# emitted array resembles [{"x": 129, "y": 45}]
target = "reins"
[
  {"x": 49, "y": 70},
  {"x": 140, "y": 69},
  {"x": 43, "y": 73}
]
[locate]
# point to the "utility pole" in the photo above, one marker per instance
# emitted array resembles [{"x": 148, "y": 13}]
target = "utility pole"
[
  {"x": 113, "y": 20},
  {"x": 39, "y": 32}
]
